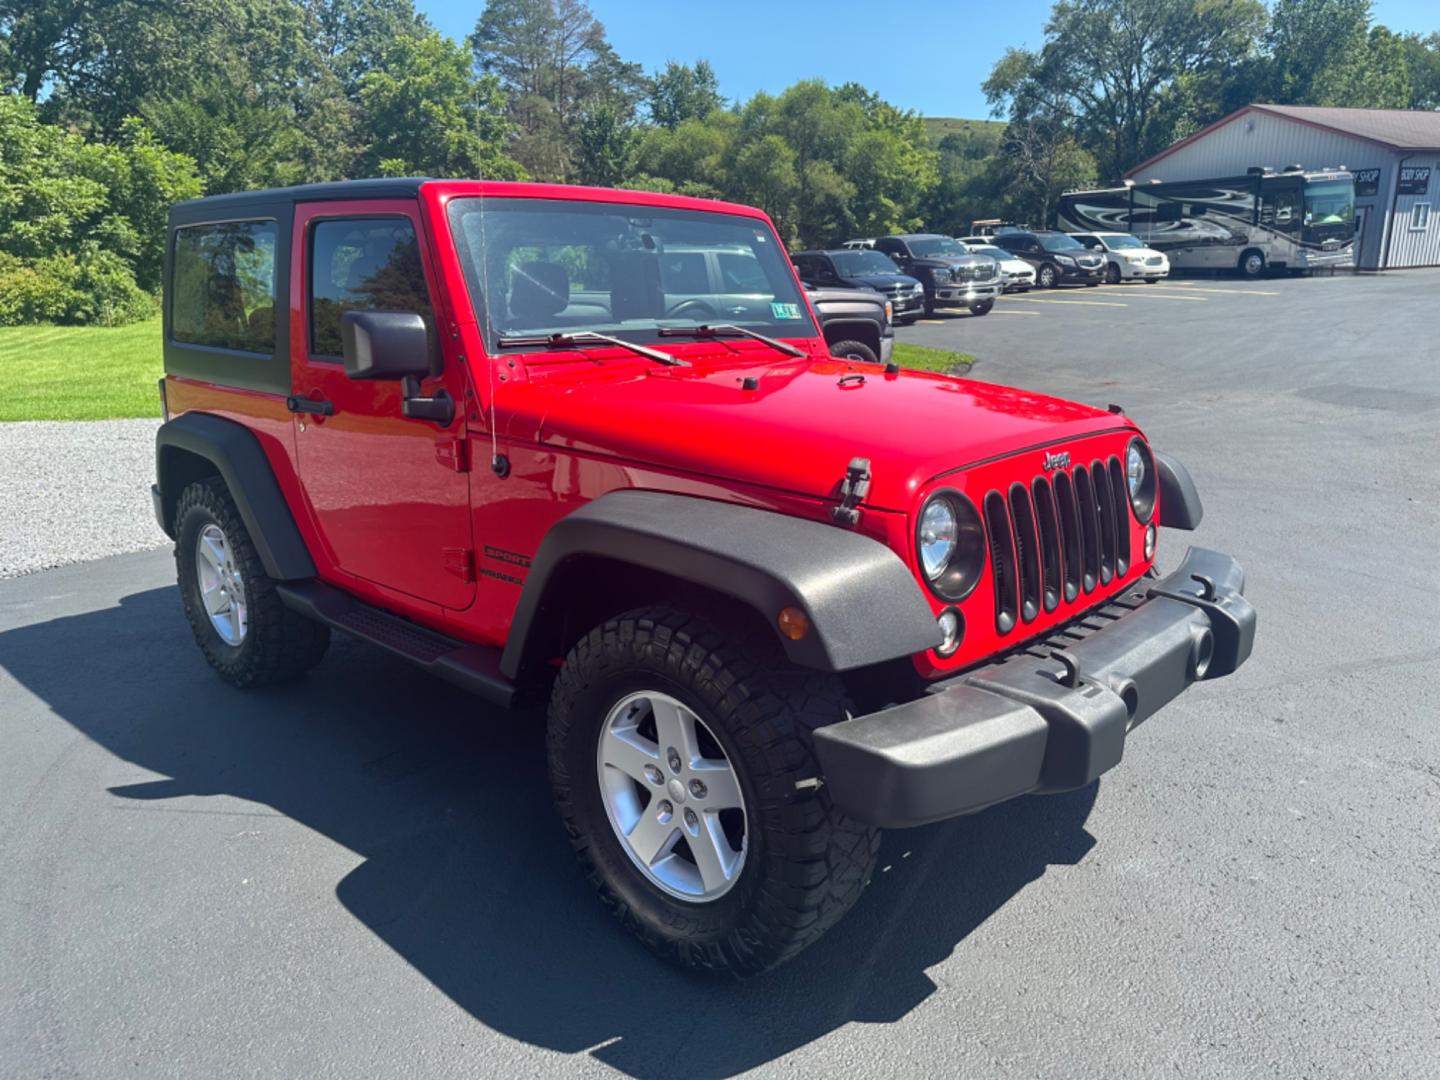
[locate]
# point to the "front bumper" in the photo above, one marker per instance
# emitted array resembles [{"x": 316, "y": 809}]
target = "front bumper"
[
  {"x": 1071, "y": 274},
  {"x": 1050, "y": 717},
  {"x": 1131, "y": 271},
  {"x": 967, "y": 292}
]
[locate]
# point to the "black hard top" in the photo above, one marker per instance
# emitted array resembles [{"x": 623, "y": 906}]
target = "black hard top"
[{"x": 206, "y": 208}]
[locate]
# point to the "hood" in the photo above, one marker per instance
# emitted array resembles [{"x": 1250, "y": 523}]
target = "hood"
[
  {"x": 880, "y": 281},
  {"x": 954, "y": 260},
  {"x": 799, "y": 429}
]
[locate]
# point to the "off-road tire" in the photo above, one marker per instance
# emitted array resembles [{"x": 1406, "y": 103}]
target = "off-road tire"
[
  {"x": 854, "y": 350},
  {"x": 278, "y": 643},
  {"x": 806, "y": 862}
]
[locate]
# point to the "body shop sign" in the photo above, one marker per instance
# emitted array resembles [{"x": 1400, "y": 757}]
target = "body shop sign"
[
  {"x": 1367, "y": 182},
  {"x": 1414, "y": 180}
]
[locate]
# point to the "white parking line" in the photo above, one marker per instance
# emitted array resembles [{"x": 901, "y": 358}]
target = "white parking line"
[
  {"x": 1002, "y": 311},
  {"x": 1201, "y": 288},
  {"x": 1153, "y": 295},
  {"x": 1086, "y": 303}
]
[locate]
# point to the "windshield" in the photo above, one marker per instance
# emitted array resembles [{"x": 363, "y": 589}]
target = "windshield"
[
  {"x": 855, "y": 263},
  {"x": 546, "y": 266},
  {"x": 1120, "y": 242},
  {"x": 1330, "y": 202},
  {"x": 993, "y": 252},
  {"x": 1059, "y": 242},
  {"x": 936, "y": 245}
]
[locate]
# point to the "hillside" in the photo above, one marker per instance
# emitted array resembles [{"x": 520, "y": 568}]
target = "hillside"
[{"x": 937, "y": 127}]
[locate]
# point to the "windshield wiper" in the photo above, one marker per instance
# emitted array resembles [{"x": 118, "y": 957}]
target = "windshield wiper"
[
  {"x": 730, "y": 330},
  {"x": 584, "y": 337}
]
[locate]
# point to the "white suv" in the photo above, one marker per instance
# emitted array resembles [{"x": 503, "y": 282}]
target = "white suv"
[{"x": 1126, "y": 258}]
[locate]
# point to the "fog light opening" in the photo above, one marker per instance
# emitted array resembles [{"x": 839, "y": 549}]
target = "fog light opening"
[
  {"x": 1203, "y": 652},
  {"x": 952, "y": 630}
]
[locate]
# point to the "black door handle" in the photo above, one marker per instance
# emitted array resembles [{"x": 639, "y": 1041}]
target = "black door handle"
[{"x": 309, "y": 405}]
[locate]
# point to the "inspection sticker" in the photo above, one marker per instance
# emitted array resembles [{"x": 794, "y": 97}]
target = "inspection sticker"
[{"x": 785, "y": 311}]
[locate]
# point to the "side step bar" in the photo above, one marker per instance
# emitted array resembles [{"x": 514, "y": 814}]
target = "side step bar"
[{"x": 475, "y": 668}]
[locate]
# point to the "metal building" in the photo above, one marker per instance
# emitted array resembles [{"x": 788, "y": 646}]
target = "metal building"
[{"x": 1394, "y": 154}]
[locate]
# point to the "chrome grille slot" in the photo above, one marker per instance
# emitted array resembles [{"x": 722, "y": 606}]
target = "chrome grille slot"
[
  {"x": 1089, "y": 528},
  {"x": 1048, "y": 523},
  {"x": 1105, "y": 512},
  {"x": 1071, "y": 553},
  {"x": 1027, "y": 551},
  {"x": 1002, "y": 561},
  {"x": 1120, "y": 498}
]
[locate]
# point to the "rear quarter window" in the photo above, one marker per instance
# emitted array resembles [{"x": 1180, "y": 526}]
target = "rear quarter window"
[{"x": 222, "y": 286}]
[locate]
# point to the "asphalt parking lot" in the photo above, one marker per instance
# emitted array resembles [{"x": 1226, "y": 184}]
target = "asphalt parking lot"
[{"x": 361, "y": 875}]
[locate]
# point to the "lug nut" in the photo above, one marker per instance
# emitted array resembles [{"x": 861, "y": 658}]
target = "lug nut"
[
  {"x": 697, "y": 788},
  {"x": 664, "y": 811},
  {"x": 654, "y": 775},
  {"x": 673, "y": 757},
  {"x": 691, "y": 821}
]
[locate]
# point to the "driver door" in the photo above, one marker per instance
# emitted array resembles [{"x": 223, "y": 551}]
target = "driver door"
[{"x": 389, "y": 494}]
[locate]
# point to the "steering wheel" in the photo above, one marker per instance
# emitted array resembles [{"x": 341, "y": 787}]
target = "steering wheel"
[{"x": 697, "y": 309}]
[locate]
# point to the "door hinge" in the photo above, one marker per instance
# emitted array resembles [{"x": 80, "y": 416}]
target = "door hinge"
[
  {"x": 460, "y": 562},
  {"x": 453, "y": 454}
]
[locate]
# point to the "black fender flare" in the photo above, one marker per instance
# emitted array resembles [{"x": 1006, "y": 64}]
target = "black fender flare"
[
  {"x": 863, "y": 603},
  {"x": 237, "y": 456},
  {"x": 1180, "y": 506}
]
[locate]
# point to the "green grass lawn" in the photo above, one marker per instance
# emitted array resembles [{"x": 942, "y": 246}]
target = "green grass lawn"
[
  {"x": 104, "y": 373},
  {"x": 80, "y": 372},
  {"x": 925, "y": 358}
]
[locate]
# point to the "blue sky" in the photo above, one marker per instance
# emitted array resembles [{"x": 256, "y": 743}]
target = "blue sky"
[{"x": 917, "y": 54}]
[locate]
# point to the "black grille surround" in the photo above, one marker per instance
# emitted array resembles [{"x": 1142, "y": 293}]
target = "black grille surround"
[{"x": 1056, "y": 541}]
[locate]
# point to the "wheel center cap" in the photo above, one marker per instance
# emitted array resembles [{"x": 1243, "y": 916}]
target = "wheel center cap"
[{"x": 677, "y": 789}]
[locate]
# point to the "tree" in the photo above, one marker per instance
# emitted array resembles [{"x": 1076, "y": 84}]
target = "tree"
[
  {"x": 1422, "y": 62},
  {"x": 1109, "y": 65},
  {"x": 1305, "y": 39},
  {"x": 680, "y": 93},
  {"x": 555, "y": 65},
  {"x": 605, "y": 141},
  {"x": 422, "y": 111}
]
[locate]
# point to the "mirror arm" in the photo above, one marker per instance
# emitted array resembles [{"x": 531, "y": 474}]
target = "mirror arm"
[{"x": 440, "y": 408}]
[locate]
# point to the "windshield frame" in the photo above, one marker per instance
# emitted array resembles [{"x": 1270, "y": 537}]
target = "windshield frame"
[{"x": 783, "y": 287}]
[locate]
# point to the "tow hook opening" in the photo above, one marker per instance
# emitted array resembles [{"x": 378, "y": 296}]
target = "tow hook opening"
[
  {"x": 1130, "y": 696},
  {"x": 1201, "y": 654}
]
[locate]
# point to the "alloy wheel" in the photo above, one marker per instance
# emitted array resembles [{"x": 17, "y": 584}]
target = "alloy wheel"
[
  {"x": 222, "y": 589},
  {"x": 672, "y": 797}
]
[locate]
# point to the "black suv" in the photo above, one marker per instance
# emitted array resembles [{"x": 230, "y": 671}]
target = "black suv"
[
  {"x": 1057, "y": 258},
  {"x": 867, "y": 269},
  {"x": 951, "y": 275}
]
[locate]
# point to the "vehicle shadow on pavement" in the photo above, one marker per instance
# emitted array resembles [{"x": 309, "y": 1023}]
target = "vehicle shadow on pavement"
[{"x": 467, "y": 875}]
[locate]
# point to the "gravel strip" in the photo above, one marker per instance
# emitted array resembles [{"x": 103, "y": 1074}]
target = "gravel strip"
[{"x": 75, "y": 490}]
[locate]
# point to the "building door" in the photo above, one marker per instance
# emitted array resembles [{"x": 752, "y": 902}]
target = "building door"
[{"x": 1362, "y": 213}]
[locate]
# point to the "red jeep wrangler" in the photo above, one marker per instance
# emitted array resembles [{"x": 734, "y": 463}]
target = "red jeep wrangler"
[{"x": 589, "y": 444}]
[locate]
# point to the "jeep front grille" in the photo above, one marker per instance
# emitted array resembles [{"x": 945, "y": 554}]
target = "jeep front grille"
[{"x": 1057, "y": 540}]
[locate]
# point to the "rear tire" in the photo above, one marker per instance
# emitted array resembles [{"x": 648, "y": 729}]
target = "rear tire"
[
  {"x": 802, "y": 862},
  {"x": 257, "y": 640},
  {"x": 854, "y": 350},
  {"x": 1251, "y": 264}
]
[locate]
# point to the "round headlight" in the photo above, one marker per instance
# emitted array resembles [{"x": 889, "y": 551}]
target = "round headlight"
[
  {"x": 937, "y": 537},
  {"x": 1140, "y": 479},
  {"x": 950, "y": 542}
]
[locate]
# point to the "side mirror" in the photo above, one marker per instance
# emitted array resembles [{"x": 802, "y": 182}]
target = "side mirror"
[
  {"x": 384, "y": 344},
  {"x": 394, "y": 345}
]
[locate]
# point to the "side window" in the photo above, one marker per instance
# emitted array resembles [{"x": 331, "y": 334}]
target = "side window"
[
  {"x": 222, "y": 286},
  {"x": 888, "y": 246},
  {"x": 363, "y": 264},
  {"x": 742, "y": 273},
  {"x": 683, "y": 273},
  {"x": 1420, "y": 217}
]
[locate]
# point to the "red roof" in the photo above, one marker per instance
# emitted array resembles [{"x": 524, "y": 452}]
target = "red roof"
[{"x": 1397, "y": 129}]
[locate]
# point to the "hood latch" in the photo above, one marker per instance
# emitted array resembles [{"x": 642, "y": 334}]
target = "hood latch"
[{"x": 853, "y": 490}]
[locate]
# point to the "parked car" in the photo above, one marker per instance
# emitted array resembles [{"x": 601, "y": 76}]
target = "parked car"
[
  {"x": 951, "y": 276},
  {"x": 863, "y": 268},
  {"x": 1126, "y": 257},
  {"x": 856, "y": 323},
  {"x": 776, "y": 601},
  {"x": 1057, "y": 258},
  {"x": 1016, "y": 275}
]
